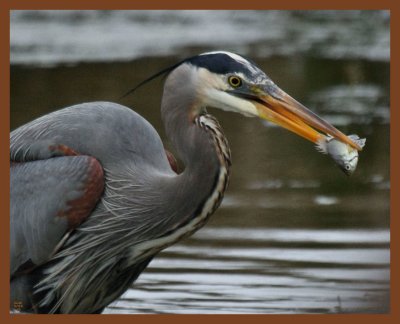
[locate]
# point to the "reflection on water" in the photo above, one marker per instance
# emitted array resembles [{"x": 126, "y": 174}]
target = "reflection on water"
[
  {"x": 253, "y": 270},
  {"x": 124, "y": 35},
  {"x": 293, "y": 233},
  {"x": 365, "y": 102}
]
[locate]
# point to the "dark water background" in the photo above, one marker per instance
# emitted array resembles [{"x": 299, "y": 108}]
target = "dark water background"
[{"x": 293, "y": 234}]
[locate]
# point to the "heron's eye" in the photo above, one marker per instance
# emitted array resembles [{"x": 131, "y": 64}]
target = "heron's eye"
[
  {"x": 347, "y": 167},
  {"x": 235, "y": 81}
]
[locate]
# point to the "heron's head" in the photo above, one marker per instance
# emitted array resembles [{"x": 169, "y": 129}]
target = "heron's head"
[{"x": 230, "y": 82}]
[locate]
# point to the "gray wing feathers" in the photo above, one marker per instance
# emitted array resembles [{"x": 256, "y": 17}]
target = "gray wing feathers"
[
  {"x": 110, "y": 132},
  {"x": 41, "y": 193},
  {"x": 120, "y": 139}
]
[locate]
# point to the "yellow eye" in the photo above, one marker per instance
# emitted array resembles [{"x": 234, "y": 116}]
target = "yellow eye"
[{"x": 235, "y": 81}]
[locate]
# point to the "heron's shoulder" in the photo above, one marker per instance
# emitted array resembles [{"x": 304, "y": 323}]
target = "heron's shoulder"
[
  {"x": 103, "y": 108},
  {"x": 108, "y": 131},
  {"x": 112, "y": 115},
  {"x": 85, "y": 116}
]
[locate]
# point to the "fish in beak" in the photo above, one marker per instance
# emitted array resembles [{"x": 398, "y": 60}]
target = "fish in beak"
[{"x": 276, "y": 106}]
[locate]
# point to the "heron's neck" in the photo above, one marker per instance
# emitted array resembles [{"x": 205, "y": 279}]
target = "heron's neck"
[
  {"x": 200, "y": 143},
  {"x": 202, "y": 146}
]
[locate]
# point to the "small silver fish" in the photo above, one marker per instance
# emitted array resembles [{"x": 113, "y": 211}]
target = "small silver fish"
[{"x": 345, "y": 156}]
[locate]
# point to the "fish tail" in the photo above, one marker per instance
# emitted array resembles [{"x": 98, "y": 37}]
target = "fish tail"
[{"x": 321, "y": 145}]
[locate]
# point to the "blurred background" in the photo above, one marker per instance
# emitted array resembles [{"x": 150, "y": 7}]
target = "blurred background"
[{"x": 293, "y": 234}]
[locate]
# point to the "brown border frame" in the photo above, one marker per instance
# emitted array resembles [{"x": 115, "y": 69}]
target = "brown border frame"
[{"x": 7, "y": 5}]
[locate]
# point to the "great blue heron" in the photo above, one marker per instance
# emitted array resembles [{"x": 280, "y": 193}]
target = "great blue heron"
[{"x": 94, "y": 197}]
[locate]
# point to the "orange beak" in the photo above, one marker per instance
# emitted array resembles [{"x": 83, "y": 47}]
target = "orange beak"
[{"x": 276, "y": 106}]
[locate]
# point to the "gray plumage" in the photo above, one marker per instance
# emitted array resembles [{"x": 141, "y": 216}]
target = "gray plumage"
[
  {"x": 135, "y": 175},
  {"x": 93, "y": 194}
]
